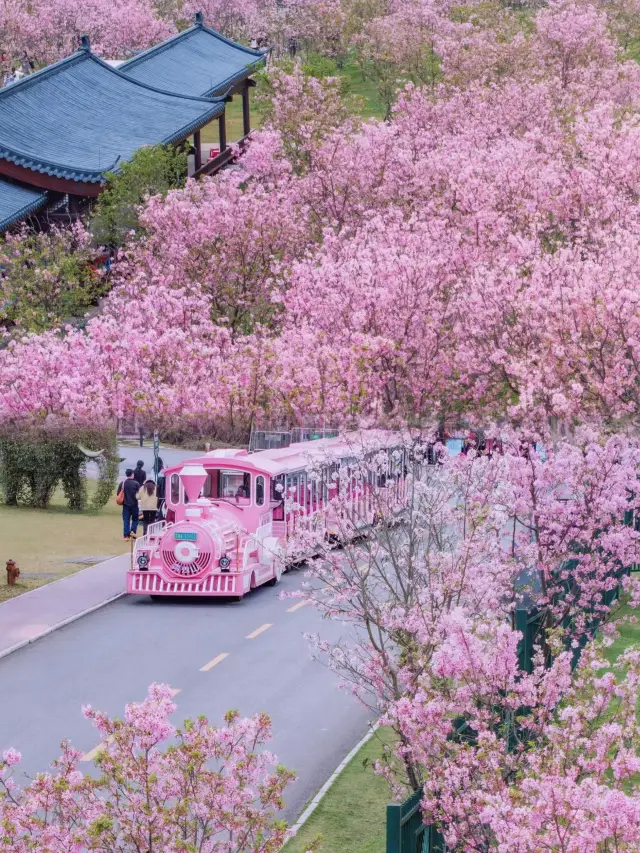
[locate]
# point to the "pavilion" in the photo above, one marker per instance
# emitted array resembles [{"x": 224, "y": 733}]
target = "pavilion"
[
  {"x": 62, "y": 129},
  {"x": 200, "y": 62}
]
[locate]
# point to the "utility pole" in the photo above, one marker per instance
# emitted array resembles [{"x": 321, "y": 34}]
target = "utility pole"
[{"x": 156, "y": 453}]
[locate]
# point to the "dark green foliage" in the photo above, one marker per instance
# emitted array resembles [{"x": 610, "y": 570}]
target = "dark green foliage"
[
  {"x": 35, "y": 460},
  {"x": 151, "y": 171},
  {"x": 48, "y": 279}
]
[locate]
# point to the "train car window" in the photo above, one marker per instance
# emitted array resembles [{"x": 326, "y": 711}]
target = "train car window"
[
  {"x": 277, "y": 494},
  {"x": 175, "y": 489},
  {"x": 292, "y": 487},
  {"x": 277, "y": 488},
  {"x": 259, "y": 490},
  {"x": 236, "y": 486}
]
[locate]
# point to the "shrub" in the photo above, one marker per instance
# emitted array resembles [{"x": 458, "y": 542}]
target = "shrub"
[
  {"x": 48, "y": 279},
  {"x": 35, "y": 460},
  {"x": 151, "y": 171}
]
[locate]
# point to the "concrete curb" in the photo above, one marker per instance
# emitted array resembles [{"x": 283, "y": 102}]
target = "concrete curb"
[
  {"x": 64, "y": 622},
  {"x": 315, "y": 802}
]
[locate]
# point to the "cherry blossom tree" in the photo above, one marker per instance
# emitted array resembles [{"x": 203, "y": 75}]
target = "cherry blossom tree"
[
  {"x": 480, "y": 537},
  {"x": 48, "y": 30},
  {"x": 214, "y": 789}
]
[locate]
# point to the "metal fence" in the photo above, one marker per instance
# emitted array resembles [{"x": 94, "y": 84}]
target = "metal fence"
[
  {"x": 406, "y": 833},
  {"x": 275, "y": 439}
]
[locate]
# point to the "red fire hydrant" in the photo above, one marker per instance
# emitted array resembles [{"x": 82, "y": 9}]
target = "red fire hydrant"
[{"x": 13, "y": 572}]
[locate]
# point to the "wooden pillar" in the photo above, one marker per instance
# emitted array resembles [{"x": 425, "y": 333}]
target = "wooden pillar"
[
  {"x": 246, "y": 118},
  {"x": 198, "y": 146},
  {"x": 222, "y": 132}
]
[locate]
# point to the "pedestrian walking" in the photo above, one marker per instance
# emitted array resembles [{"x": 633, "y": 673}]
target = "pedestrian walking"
[
  {"x": 148, "y": 502},
  {"x": 140, "y": 475},
  {"x": 130, "y": 509}
]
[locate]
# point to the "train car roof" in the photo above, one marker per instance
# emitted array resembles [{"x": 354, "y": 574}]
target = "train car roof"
[{"x": 300, "y": 454}]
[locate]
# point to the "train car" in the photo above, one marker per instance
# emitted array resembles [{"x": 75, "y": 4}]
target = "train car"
[{"x": 231, "y": 515}]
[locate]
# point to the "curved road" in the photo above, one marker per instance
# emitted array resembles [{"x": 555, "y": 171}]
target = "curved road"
[{"x": 109, "y": 658}]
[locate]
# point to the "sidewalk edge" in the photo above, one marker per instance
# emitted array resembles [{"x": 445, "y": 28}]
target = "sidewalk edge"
[
  {"x": 63, "y": 578},
  {"x": 64, "y": 622},
  {"x": 315, "y": 802}
]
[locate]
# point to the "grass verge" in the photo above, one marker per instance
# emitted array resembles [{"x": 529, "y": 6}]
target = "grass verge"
[
  {"x": 352, "y": 815},
  {"x": 41, "y": 541}
]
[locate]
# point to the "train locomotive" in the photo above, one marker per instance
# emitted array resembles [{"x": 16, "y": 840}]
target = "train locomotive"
[{"x": 231, "y": 514}]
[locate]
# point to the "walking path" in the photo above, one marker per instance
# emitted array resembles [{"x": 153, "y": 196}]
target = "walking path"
[{"x": 33, "y": 614}]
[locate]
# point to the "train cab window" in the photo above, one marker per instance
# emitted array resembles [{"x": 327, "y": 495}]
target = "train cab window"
[
  {"x": 175, "y": 489},
  {"x": 236, "y": 486},
  {"x": 211, "y": 488},
  {"x": 260, "y": 490}
]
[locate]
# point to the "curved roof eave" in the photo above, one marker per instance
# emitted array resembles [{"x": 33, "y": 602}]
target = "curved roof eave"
[
  {"x": 165, "y": 45},
  {"x": 230, "y": 81},
  {"x": 24, "y": 211}
]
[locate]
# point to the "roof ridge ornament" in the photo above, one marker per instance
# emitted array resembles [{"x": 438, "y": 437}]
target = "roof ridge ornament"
[
  {"x": 198, "y": 19},
  {"x": 85, "y": 43}
]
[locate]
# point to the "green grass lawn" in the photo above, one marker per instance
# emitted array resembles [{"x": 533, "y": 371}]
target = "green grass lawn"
[
  {"x": 363, "y": 89},
  {"x": 41, "y": 541},
  {"x": 351, "y": 818},
  {"x": 629, "y": 636}
]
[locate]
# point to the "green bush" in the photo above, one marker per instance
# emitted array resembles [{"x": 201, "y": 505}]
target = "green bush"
[
  {"x": 153, "y": 170},
  {"x": 34, "y": 460},
  {"x": 48, "y": 279}
]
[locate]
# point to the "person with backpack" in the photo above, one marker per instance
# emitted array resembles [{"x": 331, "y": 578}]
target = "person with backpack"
[{"x": 127, "y": 498}]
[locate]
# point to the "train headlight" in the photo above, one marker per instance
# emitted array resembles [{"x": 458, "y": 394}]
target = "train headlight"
[
  {"x": 143, "y": 561},
  {"x": 225, "y": 562}
]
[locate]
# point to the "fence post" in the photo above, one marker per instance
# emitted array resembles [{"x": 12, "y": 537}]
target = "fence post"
[
  {"x": 394, "y": 828},
  {"x": 525, "y": 650}
]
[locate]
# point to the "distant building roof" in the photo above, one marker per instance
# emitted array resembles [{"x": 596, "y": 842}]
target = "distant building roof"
[
  {"x": 18, "y": 202},
  {"x": 198, "y": 61},
  {"x": 77, "y": 119}
]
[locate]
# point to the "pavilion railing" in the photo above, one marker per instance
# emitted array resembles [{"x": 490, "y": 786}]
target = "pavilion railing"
[{"x": 211, "y": 167}]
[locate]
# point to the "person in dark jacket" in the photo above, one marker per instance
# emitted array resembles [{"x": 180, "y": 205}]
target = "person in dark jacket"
[
  {"x": 140, "y": 475},
  {"x": 130, "y": 508}
]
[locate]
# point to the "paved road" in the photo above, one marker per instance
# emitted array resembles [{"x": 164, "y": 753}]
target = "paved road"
[{"x": 109, "y": 658}]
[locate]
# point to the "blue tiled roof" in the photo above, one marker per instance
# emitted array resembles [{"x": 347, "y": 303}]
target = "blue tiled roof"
[
  {"x": 79, "y": 118},
  {"x": 198, "y": 61},
  {"x": 17, "y": 202}
]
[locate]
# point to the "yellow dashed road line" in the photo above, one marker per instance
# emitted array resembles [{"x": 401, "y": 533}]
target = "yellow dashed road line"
[
  {"x": 214, "y": 662},
  {"x": 258, "y": 631}
]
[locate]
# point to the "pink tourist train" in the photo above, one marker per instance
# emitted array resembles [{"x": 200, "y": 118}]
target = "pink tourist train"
[{"x": 231, "y": 514}]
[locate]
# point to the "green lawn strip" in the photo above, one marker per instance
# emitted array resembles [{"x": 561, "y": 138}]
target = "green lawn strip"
[
  {"x": 629, "y": 636},
  {"x": 352, "y": 815},
  {"x": 42, "y": 540}
]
